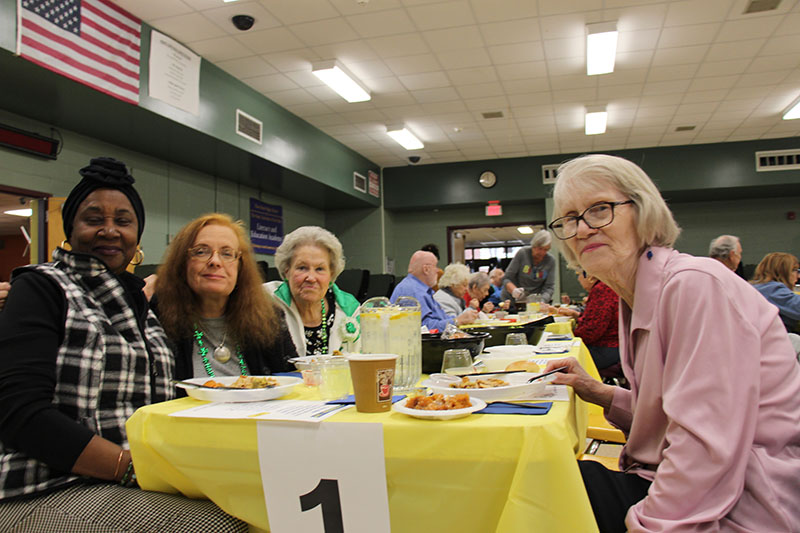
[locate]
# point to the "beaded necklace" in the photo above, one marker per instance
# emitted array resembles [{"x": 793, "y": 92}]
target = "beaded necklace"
[
  {"x": 324, "y": 333},
  {"x": 198, "y": 335}
]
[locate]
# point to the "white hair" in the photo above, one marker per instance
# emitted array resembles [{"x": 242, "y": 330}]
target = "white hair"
[
  {"x": 722, "y": 246},
  {"x": 654, "y": 223},
  {"x": 454, "y": 274},
  {"x": 313, "y": 236},
  {"x": 478, "y": 280},
  {"x": 541, "y": 239}
]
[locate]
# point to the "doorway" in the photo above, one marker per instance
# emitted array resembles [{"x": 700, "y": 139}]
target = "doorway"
[
  {"x": 23, "y": 228},
  {"x": 483, "y": 247}
]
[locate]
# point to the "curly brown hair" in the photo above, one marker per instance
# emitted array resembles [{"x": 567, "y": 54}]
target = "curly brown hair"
[
  {"x": 250, "y": 315},
  {"x": 776, "y": 266}
]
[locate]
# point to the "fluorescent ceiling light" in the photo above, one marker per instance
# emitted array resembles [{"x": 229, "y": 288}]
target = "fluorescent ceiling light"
[
  {"x": 596, "y": 121},
  {"x": 405, "y": 138},
  {"x": 340, "y": 80},
  {"x": 20, "y": 212},
  {"x": 525, "y": 230},
  {"x": 793, "y": 112},
  {"x": 601, "y": 47}
]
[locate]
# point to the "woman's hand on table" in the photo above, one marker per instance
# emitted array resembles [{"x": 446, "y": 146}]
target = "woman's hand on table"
[
  {"x": 566, "y": 311},
  {"x": 488, "y": 307},
  {"x": 585, "y": 386}
]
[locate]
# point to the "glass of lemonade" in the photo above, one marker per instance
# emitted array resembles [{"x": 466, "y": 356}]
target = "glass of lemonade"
[
  {"x": 457, "y": 361},
  {"x": 394, "y": 328}
]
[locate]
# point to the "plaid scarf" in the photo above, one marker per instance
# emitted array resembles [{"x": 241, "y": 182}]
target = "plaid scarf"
[{"x": 107, "y": 366}]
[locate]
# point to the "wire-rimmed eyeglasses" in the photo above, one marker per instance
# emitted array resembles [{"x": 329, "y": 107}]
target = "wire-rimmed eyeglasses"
[
  {"x": 204, "y": 253},
  {"x": 596, "y": 216}
]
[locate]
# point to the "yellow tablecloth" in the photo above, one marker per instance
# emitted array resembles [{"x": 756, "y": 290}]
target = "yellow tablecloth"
[
  {"x": 560, "y": 328},
  {"x": 501, "y": 473}
]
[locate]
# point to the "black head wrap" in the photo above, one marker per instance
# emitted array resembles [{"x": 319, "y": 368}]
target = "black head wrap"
[{"x": 102, "y": 173}]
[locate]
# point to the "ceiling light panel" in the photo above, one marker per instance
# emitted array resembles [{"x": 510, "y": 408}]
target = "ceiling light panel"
[
  {"x": 338, "y": 78},
  {"x": 404, "y": 138},
  {"x": 601, "y": 48}
]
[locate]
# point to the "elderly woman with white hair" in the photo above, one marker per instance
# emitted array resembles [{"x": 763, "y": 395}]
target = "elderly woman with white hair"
[
  {"x": 712, "y": 417},
  {"x": 452, "y": 287},
  {"x": 320, "y": 316},
  {"x": 532, "y": 271}
]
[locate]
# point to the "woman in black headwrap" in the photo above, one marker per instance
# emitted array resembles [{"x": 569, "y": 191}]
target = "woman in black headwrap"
[{"x": 80, "y": 351}]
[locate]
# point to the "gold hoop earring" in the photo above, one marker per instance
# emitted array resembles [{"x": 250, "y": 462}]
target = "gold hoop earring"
[
  {"x": 138, "y": 257},
  {"x": 64, "y": 245}
]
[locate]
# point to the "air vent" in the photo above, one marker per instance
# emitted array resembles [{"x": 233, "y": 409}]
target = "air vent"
[
  {"x": 359, "y": 182},
  {"x": 685, "y": 128},
  {"x": 248, "y": 127},
  {"x": 493, "y": 114},
  {"x": 549, "y": 174},
  {"x": 759, "y": 6},
  {"x": 778, "y": 160}
]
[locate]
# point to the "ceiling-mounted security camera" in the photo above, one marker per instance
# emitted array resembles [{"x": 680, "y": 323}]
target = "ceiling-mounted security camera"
[
  {"x": 362, "y": 3},
  {"x": 243, "y": 22},
  {"x": 414, "y": 159}
]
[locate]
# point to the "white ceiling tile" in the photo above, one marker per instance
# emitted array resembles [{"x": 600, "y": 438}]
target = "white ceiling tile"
[
  {"x": 679, "y": 36},
  {"x": 470, "y": 76},
  {"x": 381, "y": 23},
  {"x": 463, "y": 59},
  {"x": 312, "y": 109},
  {"x": 634, "y": 15},
  {"x": 762, "y": 78},
  {"x": 488, "y": 104},
  {"x": 399, "y": 45},
  {"x": 677, "y": 56},
  {"x": 480, "y": 90},
  {"x": 567, "y": 66},
  {"x": 428, "y": 80},
  {"x": 413, "y": 64},
  {"x": 326, "y": 120},
  {"x": 696, "y": 11},
  {"x": 789, "y": 24},
  {"x": 368, "y": 70},
  {"x": 268, "y": 41},
  {"x": 453, "y": 38},
  {"x": 188, "y": 28},
  {"x": 718, "y": 82},
  {"x": 301, "y": 10},
  {"x": 734, "y": 50},
  {"x": 441, "y": 15},
  {"x": 565, "y": 26},
  {"x": 287, "y": 61},
  {"x": 575, "y": 95},
  {"x": 518, "y": 71},
  {"x": 388, "y": 86},
  {"x": 221, "y": 49},
  {"x": 561, "y": 48},
  {"x": 722, "y": 68},
  {"x": 624, "y": 77},
  {"x": 528, "y": 100},
  {"x": 631, "y": 60},
  {"x": 323, "y": 31},
  {"x": 346, "y": 52},
  {"x": 781, "y": 45},
  {"x": 304, "y": 78},
  {"x": 246, "y": 67},
  {"x": 153, "y": 9},
  {"x": 618, "y": 93},
  {"x": 782, "y": 62},
  {"x": 739, "y": 30},
  {"x": 648, "y": 100},
  {"x": 560, "y": 83},
  {"x": 695, "y": 96},
  {"x": 442, "y": 94},
  {"x": 387, "y": 99},
  {"x": 560, "y": 7},
  {"x": 634, "y": 41},
  {"x": 526, "y": 86},
  {"x": 494, "y": 11},
  {"x": 512, "y": 31},
  {"x": 516, "y": 53}
]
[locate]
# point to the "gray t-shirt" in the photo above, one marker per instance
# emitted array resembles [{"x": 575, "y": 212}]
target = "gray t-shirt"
[
  {"x": 535, "y": 279},
  {"x": 213, "y": 330}
]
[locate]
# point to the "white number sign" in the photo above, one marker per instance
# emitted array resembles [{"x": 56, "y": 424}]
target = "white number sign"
[{"x": 325, "y": 478}]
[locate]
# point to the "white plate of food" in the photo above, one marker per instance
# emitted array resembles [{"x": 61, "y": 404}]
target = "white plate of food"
[
  {"x": 441, "y": 402},
  {"x": 248, "y": 389},
  {"x": 487, "y": 387}
]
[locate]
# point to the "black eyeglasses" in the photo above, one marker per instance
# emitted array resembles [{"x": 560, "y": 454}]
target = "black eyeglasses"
[
  {"x": 597, "y": 216},
  {"x": 204, "y": 253}
]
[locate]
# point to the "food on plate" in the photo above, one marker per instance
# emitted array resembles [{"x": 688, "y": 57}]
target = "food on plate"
[
  {"x": 246, "y": 382},
  {"x": 488, "y": 383},
  {"x": 439, "y": 402},
  {"x": 527, "y": 366}
]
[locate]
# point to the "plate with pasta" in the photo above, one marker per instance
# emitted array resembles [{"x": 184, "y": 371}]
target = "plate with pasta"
[
  {"x": 487, "y": 387},
  {"x": 239, "y": 388}
]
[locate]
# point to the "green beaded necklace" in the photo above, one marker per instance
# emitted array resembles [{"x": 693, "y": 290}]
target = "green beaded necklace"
[
  {"x": 198, "y": 335},
  {"x": 324, "y": 332}
]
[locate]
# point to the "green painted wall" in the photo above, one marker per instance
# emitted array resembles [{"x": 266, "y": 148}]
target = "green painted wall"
[
  {"x": 173, "y": 195},
  {"x": 707, "y": 172},
  {"x": 359, "y": 231}
]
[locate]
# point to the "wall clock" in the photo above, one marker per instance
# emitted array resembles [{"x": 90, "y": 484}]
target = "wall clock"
[{"x": 487, "y": 179}]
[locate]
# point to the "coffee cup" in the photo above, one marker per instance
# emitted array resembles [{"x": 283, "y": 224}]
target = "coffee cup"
[{"x": 373, "y": 381}]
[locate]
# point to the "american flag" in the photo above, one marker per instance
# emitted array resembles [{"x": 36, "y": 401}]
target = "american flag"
[{"x": 93, "y": 42}]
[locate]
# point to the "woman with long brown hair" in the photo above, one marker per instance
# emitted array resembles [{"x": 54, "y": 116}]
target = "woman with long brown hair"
[
  {"x": 775, "y": 278},
  {"x": 209, "y": 299}
]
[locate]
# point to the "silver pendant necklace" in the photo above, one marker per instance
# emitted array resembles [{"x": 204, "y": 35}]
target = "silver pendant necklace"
[{"x": 221, "y": 352}]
